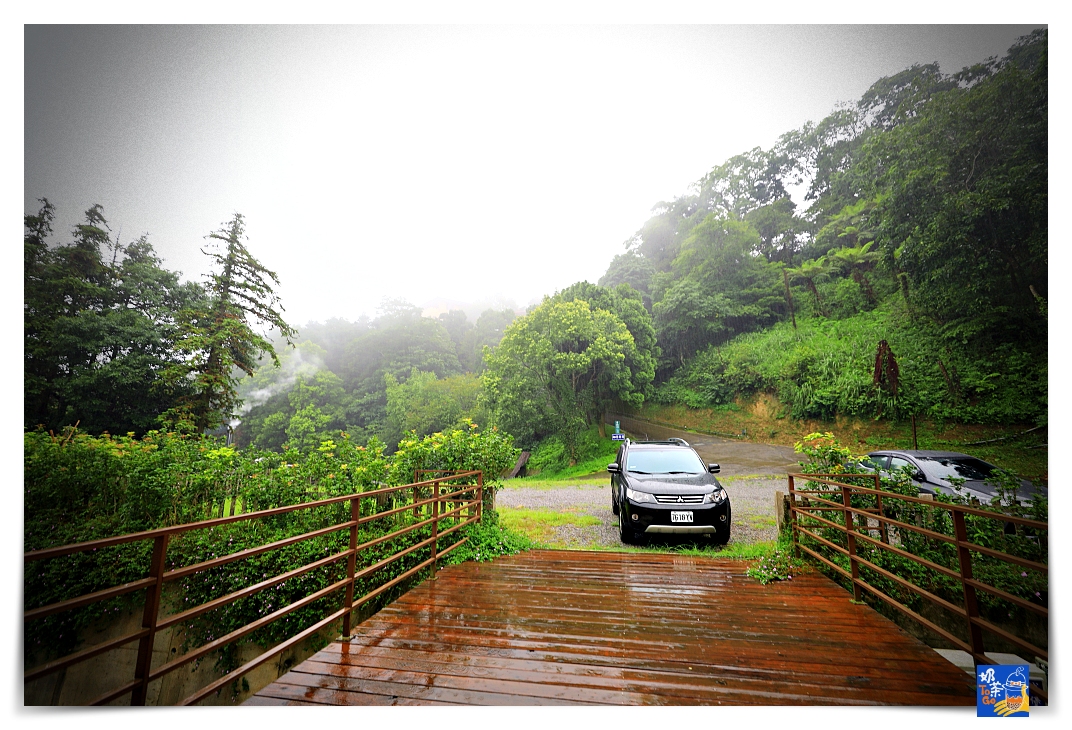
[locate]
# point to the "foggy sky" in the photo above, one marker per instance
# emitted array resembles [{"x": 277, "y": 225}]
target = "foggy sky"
[{"x": 468, "y": 163}]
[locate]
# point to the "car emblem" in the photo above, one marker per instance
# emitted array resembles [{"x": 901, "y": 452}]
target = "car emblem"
[{"x": 680, "y": 499}]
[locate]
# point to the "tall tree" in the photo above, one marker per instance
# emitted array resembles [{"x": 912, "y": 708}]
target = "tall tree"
[
  {"x": 99, "y": 328},
  {"x": 558, "y": 368},
  {"x": 219, "y": 338}
]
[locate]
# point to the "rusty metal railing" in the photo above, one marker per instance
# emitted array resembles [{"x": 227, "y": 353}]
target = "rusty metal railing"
[
  {"x": 855, "y": 524},
  {"x": 465, "y": 497}
]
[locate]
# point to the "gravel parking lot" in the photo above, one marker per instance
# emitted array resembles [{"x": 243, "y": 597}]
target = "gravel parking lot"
[{"x": 752, "y": 499}]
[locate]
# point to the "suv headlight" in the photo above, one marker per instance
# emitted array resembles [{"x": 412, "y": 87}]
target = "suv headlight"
[
  {"x": 716, "y": 497},
  {"x": 638, "y": 496}
]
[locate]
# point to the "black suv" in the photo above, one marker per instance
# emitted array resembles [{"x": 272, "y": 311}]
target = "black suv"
[{"x": 664, "y": 487}]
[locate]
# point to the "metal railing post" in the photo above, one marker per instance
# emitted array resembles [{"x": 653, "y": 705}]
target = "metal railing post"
[
  {"x": 971, "y": 603},
  {"x": 793, "y": 515},
  {"x": 850, "y": 541},
  {"x": 149, "y": 618},
  {"x": 416, "y": 492},
  {"x": 351, "y": 566},
  {"x": 435, "y": 527},
  {"x": 883, "y": 532},
  {"x": 480, "y": 496}
]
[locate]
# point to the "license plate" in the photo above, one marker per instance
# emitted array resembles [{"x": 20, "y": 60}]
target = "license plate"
[{"x": 681, "y": 516}]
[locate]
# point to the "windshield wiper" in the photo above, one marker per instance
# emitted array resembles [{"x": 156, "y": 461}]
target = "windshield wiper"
[
  {"x": 638, "y": 471},
  {"x": 679, "y": 472}
]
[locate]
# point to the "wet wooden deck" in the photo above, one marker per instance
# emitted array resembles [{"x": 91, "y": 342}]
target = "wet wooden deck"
[{"x": 571, "y": 627}]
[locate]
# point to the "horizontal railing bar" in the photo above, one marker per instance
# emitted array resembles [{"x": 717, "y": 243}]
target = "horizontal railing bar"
[
  {"x": 425, "y": 483},
  {"x": 824, "y": 541},
  {"x": 79, "y": 547},
  {"x": 178, "y": 618},
  {"x": 930, "y": 503},
  {"x": 252, "y": 552},
  {"x": 825, "y": 521},
  {"x": 837, "y": 506},
  {"x": 1041, "y": 610},
  {"x": 60, "y": 606},
  {"x": 391, "y": 583},
  {"x": 408, "y": 507},
  {"x": 903, "y": 553},
  {"x": 1022, "y": 562},
  {"x": 952, "y": 608},
  {"x": 397, "y": 533},
  {"x": 919, "y": 530},
  {"x": 819, "y": 557},
  {"x": 395, "y": 581},
  {"x": 910, "y": 556},
  {"x": 253, "y": 664},
  {"x": 115, "y": 693},
  {"x": 249, "y": 666},
  {"x": 412, "y": 548},
  {"x": 952, "y": 638},
  {"x": 455, "y": 528},
  {"x": 361, "y": 574},
  {"x": 247, "y": 629},
  {"x": 1031, "y": 648},
  {"x": 71, "y": 659}
]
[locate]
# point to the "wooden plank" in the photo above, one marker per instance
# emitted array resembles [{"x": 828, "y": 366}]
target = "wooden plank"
[{"x": 569, "y": 627}]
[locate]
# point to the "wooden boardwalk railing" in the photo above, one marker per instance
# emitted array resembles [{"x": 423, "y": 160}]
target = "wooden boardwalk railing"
[
  {"x": 857, "y": 529},
  {"x": 419, "y": 515}
]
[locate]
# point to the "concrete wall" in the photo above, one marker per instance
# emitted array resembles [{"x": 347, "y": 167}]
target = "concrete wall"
[{"x": 84, "y": 682}]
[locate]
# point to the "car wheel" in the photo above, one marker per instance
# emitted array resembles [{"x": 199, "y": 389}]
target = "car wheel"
[
  {"x": 613, "y": 503},
  {"x": 627, "y": 534}
]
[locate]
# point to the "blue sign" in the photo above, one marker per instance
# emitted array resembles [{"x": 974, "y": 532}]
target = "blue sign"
[
  {"x": 617, "y": 437},
  {"x": 1002, "y": 690}
]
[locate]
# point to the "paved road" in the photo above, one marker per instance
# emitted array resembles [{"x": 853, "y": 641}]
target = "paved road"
[{"x": 735, "y": 457}]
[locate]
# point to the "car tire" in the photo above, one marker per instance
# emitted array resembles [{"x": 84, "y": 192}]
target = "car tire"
[
  {"x": 627, "y": 534},
  {"x": 613, "y": 503}
]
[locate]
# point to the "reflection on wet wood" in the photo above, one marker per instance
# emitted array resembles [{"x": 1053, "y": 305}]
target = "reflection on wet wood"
[{"x": 571, "y": 627}]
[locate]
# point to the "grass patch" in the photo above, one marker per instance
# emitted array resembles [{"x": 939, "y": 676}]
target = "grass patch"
[
  {"x": 542, "y": 482},
  {"x": 732, "y": 551},
  {"x": 538, "y": 524}
]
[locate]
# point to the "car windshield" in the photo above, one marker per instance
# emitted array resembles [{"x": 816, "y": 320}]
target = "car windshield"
[
  {"x": 960, "y": 467},
  {"x": 664, "y": 461}
]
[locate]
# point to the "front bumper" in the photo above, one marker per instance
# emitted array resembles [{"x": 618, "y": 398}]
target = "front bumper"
[{"x": 655, "y": 519}]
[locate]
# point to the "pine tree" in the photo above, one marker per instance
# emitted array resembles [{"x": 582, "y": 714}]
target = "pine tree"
[{"x": 219, "y": 338}]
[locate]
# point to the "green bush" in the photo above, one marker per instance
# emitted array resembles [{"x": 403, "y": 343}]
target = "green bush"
[
  {"x": 80, "y": 487},
  {"x": 551, "y": 456}
]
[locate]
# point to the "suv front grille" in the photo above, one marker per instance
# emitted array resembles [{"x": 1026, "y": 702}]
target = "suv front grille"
[{"x": 679, "y": 498}]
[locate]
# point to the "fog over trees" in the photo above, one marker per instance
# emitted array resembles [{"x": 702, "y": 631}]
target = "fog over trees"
[{"x": 923, "y": 222}]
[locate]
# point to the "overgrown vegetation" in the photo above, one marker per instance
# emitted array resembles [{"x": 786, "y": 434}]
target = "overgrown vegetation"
[
  {"x": 825, "y": 454},
  {"x": 80, "y": 487}
]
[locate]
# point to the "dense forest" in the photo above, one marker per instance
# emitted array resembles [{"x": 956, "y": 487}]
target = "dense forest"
[{"x": 922, "y": 224}]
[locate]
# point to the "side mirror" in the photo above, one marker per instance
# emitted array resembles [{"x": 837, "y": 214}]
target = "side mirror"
[
  {"x": 613, "y": 468},
  {"x": 713, "y": 468},
  {"x": 918, "y": 476}
]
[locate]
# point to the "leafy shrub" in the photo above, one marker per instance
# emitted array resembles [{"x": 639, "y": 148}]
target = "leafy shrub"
[
  {"x": 551, "y": 455},
  {"x": 489, "y": 539},
  {"x": 80, "y": 487}
]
